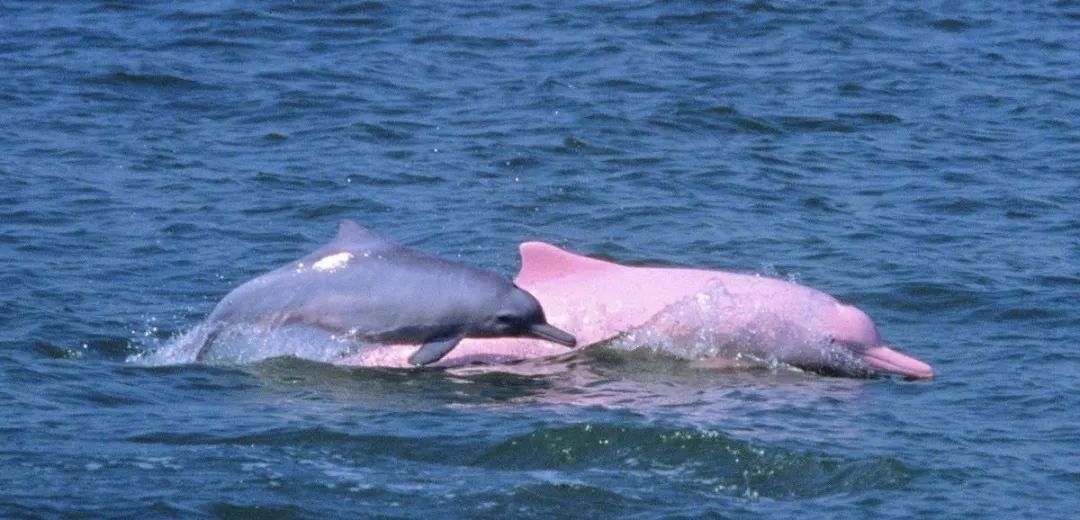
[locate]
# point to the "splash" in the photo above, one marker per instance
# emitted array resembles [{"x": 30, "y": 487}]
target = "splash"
[
  {"x": 718, "y": 327},
  {"x": 245, "y": 344},
  {"x": 177, "y": 350}
]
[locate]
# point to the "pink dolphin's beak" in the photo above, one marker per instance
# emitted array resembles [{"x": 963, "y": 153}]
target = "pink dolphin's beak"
[{"x": 885, "y": 359}]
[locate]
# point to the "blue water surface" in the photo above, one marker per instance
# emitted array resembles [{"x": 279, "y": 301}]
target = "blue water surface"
[{"x": 919, "y": 159}]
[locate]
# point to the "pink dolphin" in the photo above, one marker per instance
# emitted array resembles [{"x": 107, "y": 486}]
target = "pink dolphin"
[{"x": 713, "y": 318}]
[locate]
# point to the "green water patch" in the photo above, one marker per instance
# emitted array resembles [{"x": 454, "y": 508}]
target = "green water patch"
[{"x": 696, "y": 458}]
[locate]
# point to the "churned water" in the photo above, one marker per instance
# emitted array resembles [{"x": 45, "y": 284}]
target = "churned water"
[{"x": 918, "y": 159}]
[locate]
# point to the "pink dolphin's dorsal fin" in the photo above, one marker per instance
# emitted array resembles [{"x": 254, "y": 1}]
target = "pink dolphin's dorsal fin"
[{"x": 542, "y": 261}]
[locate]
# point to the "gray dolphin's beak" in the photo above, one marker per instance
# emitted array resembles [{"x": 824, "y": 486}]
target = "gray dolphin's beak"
[{"x": 550, "y": 333}]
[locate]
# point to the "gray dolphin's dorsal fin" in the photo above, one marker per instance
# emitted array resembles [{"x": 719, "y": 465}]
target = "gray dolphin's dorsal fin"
[{"x": 352, "y": 235}]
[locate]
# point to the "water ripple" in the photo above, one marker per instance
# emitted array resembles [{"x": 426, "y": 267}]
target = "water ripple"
[{"x": 917, "y": 162}]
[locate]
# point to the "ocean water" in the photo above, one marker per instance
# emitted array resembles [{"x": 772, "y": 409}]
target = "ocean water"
[{"x": 918, "y": 159}]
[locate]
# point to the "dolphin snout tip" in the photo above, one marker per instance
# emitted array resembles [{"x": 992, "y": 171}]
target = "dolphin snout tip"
[
  {"x": 553, "y": 334},
  {"x": 887, "y": 360}
]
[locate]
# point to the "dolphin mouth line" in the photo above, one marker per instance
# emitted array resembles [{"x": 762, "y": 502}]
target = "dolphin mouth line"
[
  {"x": 885, "y": 359},
  {"x": 553, "y": 334}
]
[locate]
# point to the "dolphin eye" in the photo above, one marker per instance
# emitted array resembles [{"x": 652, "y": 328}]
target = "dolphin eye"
[{"x": 507, "y": 319}]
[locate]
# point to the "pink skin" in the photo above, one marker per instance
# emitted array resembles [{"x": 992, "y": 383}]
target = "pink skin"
[{"x": 712, "y": 318}]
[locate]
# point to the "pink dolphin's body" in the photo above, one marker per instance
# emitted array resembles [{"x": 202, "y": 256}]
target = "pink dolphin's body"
[{"x": 713, "y": 318}]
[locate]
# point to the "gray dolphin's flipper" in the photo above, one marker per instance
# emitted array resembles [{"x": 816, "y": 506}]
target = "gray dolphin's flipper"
[{"x": 434, "y": 349}]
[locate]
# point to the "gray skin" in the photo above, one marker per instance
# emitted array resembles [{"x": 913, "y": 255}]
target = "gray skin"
[{"x": 375, "y": 291}]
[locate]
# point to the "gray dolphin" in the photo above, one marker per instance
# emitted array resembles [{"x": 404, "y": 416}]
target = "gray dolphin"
[{"x": 372, "y": 290}]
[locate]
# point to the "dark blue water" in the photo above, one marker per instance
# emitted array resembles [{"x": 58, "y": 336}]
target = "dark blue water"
[{"x": 919, "y": 159}]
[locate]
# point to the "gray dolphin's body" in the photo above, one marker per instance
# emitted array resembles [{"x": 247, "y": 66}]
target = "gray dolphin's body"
[{"x": 366, "y": 288}]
